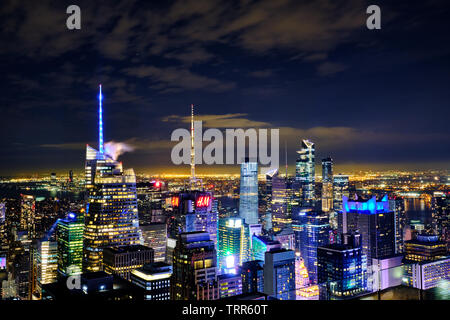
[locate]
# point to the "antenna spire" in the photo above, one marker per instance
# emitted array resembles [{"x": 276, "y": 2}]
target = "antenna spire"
[
  {"x": 192, "y": 145},
  {"x": 100, "y": 121}
]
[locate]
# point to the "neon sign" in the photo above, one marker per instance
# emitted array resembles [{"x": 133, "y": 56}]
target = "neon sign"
[
  {"x": 203, "y": 201},
  {"x": 175, "y": 201}
]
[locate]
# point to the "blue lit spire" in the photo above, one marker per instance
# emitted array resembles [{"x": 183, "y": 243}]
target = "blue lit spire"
[{"x": 100, "y": 121}]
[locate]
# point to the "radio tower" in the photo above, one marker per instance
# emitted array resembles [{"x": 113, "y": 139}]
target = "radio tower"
[{"x": 192, "y": 146}]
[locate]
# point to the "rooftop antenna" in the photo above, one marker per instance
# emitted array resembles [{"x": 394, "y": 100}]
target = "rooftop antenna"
[
  {"x": 100, "y": 121},
  {"x": 192, "y": 145}
]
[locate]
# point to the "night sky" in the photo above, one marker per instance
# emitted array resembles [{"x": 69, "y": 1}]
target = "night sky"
[{"x": 375, "y": 99}]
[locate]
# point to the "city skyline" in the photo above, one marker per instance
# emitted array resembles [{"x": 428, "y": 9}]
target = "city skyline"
[{"x": 368, "y": 98}]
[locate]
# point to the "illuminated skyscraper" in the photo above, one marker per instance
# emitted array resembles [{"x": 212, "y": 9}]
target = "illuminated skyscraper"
[
  {"x": 194, "y": 268},
  {"x": 279, "y": 274},
  {"x": 155, "y": 237},
  {"x": 305, "y": 173},
  {"x": 252, "y": 274},
  {"x": 69, "y": 236},
  {"x": 27, "y": 215},
  {"x": 233, "y": 244},
  {"x": 47, "y": 263},
  {"x": 154, "y": 278},
  {"x": 340, "y": 189},
  {"x": 248, "y": 201},
  {"x": 375, "y": 222},
  {"x": 111, "y": 218},
  {"x": 327, "y": 184},
  {"x": 312, "y": 230},
  {"x": 279, "y": 202},
  {"x": 340, "y": 271},
  {"x": 440, "y": 206}
]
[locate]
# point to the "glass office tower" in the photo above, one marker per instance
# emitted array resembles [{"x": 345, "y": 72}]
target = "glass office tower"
[
  {"x": 312, "y": 230},
  {"x": 233, "y": 244},
  {"x": 327, "y": 184},
  {"x": 111, "y": 218},
  {"x": 340, "y": 271},
  {"x": 248, "y": 201},
  {"x": 305, "y": 173},
  {"x": 69, "y": 236},
  {"x": 340, "y": 189}
]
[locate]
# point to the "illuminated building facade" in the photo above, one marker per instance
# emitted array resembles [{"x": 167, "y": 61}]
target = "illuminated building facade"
[
  {"x": 229, "y": 285},
  {"x": 425, "y": 275},
  {"x": 194, "y": 268},
  {"x": 111, "y": 218},
  {"x": 154, "y": 278},
  {"x": 279, "y": 274},
  {"x": 374, "y": 221},
  {"x": 192, "y": 211},
  {"x": 122, "y": 260},
  {"x": 397, "y": 205},
  {"x": 312, "y": 230},
  {"x": 440, "y": 210},
  {"x": 233, "y": 244},
  {"x": 340, "y": 189},
  {"x": 69, "y": 236},
  {"x": 305, "y": 173},
  {"x": 340, "y": 272},
  {"x": 286, "y": 238},
  {"x": 261, "y": 245},
  {"x": 279, "y": 202},
  {"x": 47, "y": 263},
  {"x": 248, "y": 200},
  {"x": 252, "y": 274},
  {"x": 27, "y": 215},
  {"x": 425, "y": 248},
  {"x": 327, "y": 184},
  {"x": 154, "y": 235}
]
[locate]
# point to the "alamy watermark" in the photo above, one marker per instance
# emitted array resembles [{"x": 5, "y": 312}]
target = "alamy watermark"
[
  {"x": 73, "y": 22},
  {"x": 235, "y": 139}
]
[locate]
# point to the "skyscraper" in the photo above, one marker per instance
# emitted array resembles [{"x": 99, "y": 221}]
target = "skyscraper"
[
  {"x": 111, "y": 218},
  {"x": 305, "y": 173},
  {"x": 279, "y": 202},
  {"x": 312, "y": 230},
  {"x": 194, "y": 267},
  {"x": 252, "y": 274},
  {"x": 327, "y": 184},
  {"x": 155, "y": 236},
  {"x": 248, "y": 201},
  {"x": 340, "y": 271},
  {"x": 47, "y": 263},
  {"x": 27, "y": 215},
  {"x": 69, "y": 236},
  {"x": 375, "y": 222},
  {"x": 233, "y": 244},
  {"x": 279, "y": 274},
  {"x": 340, "y": 189}
]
